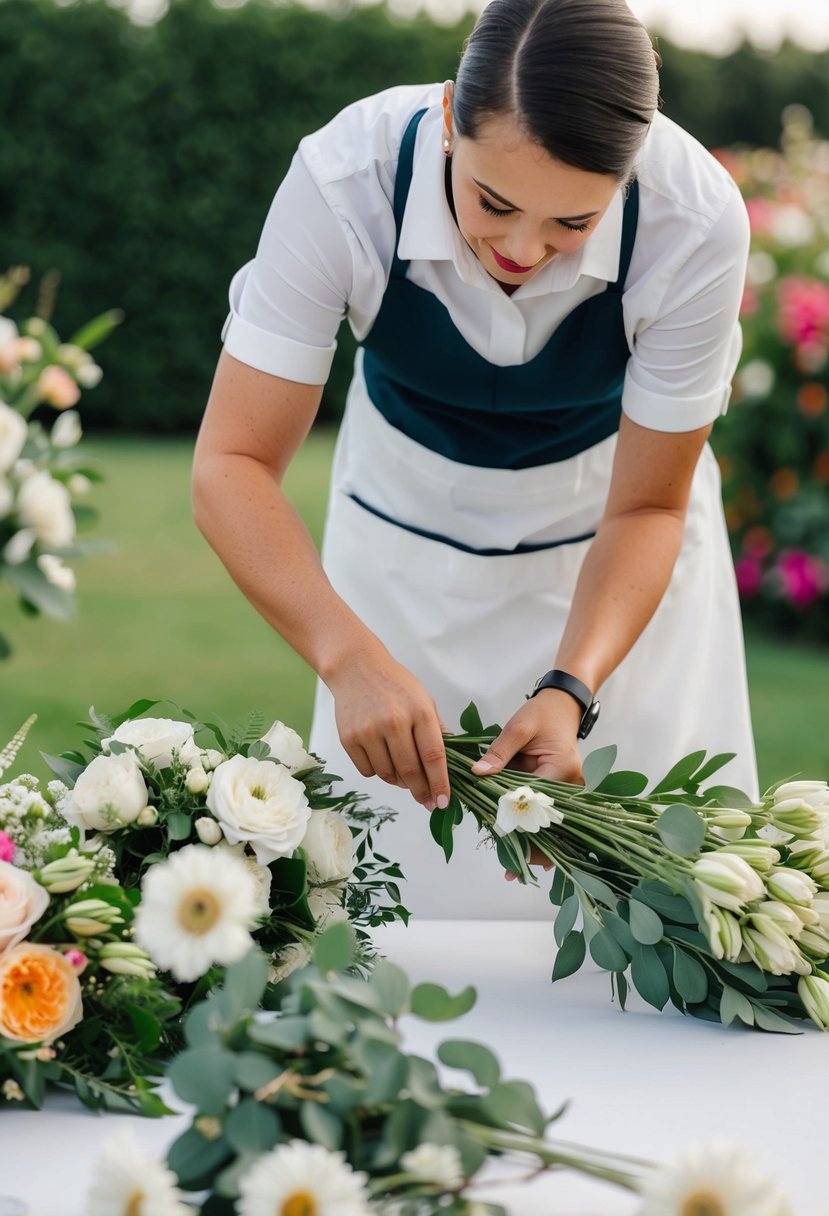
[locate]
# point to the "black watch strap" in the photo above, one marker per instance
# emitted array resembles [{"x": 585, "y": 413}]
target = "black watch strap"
[{"x": 578, "y": 690}]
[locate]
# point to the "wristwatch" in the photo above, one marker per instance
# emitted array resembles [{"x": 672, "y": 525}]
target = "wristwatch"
[{"x": 578, "y": 690}]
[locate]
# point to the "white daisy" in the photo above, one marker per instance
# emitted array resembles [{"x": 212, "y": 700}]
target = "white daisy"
[
  {"x": 713, "y": 1180},
  {"x": 439, "y": 1164},
  {"x": 128, "y": 1183},
  {"x": 525, "y": 810},
  {"x": 300, "y": 1179},
  {"x": 196, "y": 909}
]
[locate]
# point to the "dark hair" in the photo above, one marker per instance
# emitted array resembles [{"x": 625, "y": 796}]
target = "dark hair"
[{"x": 580, "y": 76}]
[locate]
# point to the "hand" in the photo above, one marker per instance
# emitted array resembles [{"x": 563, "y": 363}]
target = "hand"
[{"x": 390, "y": 727}]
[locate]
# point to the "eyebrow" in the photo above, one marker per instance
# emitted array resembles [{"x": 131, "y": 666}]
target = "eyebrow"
[{"x": 566, "y": 218}]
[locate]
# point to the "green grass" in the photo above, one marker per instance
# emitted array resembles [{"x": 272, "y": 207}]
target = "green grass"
[{"x": 160, "y": 618}]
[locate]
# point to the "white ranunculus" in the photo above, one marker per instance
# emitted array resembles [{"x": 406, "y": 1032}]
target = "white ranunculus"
[
  {"x": 326, "y": 904},
  {"x": 439, "y": 1164},
  {"x": 259, "y": 802},
  {"x": 727, "y": 880},
  {"x": 13, "y": 432},
  {"x": 19, "y": 547},
  {"x": 22, "y": 902},
  {"x": 46, "y": 506},
  {"x": 66, "y": 430},
  {"x": 329, "y": 845},
  {"x": 286, "y": 746},
  {"x": 57, "y": 572},
  {"x": 109, "y": 793},
  {"x": 525, "y": 810},
  {"x": 155, "y": 738}
]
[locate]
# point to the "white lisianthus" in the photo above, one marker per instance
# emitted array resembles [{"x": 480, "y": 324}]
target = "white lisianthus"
[
  {"x": 525, "y": 810},
  {"x": 66, "y": 431},
  {"x": 211, "y": 758},
  {"x": 126, "y": 1182},
  {"x": 45, "y": 506},
  {"x": 728, "y": 824},
  {"x": 19, "y": 547},
  {"x": 813, "y": 991},
  {"x": 109, "y": 793},
  {"x": 727, "y": 880},
  {"x": 208, "y": 830},
  {"x": 301, "y": 1177},
  {"x": 259, "y": 802},
  {"x": 717, "y": 1178},
  {"x": 290, "y": 959},
  {"x": 326, "y": 904},
  {"x": 723, "y": 933},
  {"x": 439, "y": 1164},
  {"x": 22, "y": 902},
  {"x": 771, "y": 948},
  {"x": 782, "y": 914},
  {"x": 759, "y": 854},
  {"x": 820, "y": 905},
  {"x": 147, "y": 818},
  {"x": 57, "y": 572},
  {"x": 286, "y": 746},
  {"x": 155, "y": 738},
  {"x": 329, "y": 846},
  {"x": 197, "y": 909},
  {"x": 13, "y": 432},
  {"x": 791, "y": 886}
]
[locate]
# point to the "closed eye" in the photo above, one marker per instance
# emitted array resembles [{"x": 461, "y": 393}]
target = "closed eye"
[
  {"x": 490, "y": 210},
  {"x": 573, "y": 227}
]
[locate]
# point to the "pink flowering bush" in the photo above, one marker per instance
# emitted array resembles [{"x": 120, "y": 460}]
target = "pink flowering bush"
[{"x": 773, "y": 445}]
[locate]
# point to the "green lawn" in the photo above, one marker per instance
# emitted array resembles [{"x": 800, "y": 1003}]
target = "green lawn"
[{"x": 161, "y": 618}]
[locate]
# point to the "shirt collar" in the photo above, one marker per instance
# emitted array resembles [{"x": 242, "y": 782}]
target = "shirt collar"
[{"x": 429, "y": 232}]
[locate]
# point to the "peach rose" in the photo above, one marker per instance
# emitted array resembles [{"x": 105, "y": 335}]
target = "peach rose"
[
  {"x": 22, "y": 902},
  {"x": 57, "y": 387},
  {"x": 40, "y": 995}
]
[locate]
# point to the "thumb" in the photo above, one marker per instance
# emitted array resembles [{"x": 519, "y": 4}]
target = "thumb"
[{"x": 500, "y": 751}]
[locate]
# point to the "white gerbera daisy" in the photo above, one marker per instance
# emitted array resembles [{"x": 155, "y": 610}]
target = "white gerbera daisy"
[
  {"x": 525, "y": 810},
  {"x": 196, "y": 909},
  {"x": 713, "y": 1180},
  {"x": 439, "y": 1164},
  {"x": 300, "y": 1179},
  {"x": 128, "y": 1183}
]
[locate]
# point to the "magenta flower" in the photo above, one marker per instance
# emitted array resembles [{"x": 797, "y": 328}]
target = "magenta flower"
[
  {"x": 804, "y": 311},
  {"x": 6, "y": 847},
  {"x": 802, "y": 576},
  {"x": 749, "y": 573}
]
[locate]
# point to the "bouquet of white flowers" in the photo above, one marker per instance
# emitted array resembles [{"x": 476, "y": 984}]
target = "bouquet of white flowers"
[
  {"x": 42, "y": 479},
  {"x": 698, "y": 895}
]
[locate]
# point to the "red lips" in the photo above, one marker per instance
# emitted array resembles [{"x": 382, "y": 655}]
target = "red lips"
[{"x": 506, "y": 264}]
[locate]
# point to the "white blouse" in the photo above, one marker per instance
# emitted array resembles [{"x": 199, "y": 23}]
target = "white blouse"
[{"x": 327, "y": 244}]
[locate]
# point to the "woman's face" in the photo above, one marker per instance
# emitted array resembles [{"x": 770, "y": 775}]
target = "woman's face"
[{"x": 517, "y": 206}]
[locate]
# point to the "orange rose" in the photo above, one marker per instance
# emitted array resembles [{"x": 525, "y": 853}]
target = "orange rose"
[{"x": 40, "y": 996}]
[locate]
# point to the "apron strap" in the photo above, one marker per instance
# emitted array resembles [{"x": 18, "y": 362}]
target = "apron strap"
[
  {"x": 630, "y": 220},
  {"x": 402, "y": 182}
]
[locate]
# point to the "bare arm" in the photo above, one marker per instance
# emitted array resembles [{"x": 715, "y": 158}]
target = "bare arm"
[
  {"x": 253, "y": 425},
  {"x": 624, "y": 576}
]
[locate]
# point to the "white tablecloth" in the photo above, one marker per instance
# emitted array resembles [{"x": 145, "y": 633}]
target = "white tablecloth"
[{"x": 639, "y": 1082}]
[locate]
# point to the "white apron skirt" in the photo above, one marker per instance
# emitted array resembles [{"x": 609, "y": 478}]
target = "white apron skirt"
[{"x": 483, "y": 628}]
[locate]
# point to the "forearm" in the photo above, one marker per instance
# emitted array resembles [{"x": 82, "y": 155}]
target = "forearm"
[
  {"x": 623, "y": 578},
  {"x": 244, "y": 515}
]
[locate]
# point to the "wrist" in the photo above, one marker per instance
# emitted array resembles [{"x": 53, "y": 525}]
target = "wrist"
[{"x": 558, "y": 680}]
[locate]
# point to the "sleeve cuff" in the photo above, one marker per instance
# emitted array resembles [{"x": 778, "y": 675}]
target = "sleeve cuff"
[
  {"x": 276, "y": 355},
  {"x": 659, "y": 412}
]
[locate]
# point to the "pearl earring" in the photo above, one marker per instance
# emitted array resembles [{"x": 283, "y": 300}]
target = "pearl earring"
[{"x": 446, "y": 145}]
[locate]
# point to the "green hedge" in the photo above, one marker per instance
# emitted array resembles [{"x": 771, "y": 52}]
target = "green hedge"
[{"x": 140, "y": 162}]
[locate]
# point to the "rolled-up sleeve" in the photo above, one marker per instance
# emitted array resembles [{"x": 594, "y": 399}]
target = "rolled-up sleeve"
[
  {"x": 682, "y": 363},
  {"x": 287, "y": 304}
]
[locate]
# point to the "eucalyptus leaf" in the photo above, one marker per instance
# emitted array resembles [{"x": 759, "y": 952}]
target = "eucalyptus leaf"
[
  {"x": 622, "y": 987},
  {"x": 606, "y": 951},
  {"x": 179, "y": 825},
  {"x": 664, "y": 901},
  {"x": 514, "y": 1104},
  {"x": 595, "y": 887},
  {"x": 205, "y": 1077},
  {"x": 66, "y": 771},
  {"x": 620, "y": 929},
  {"x": 570, "y": 956},
  {"x": 386, "y": 1068},
  {"x": 474, "y": 1058},
  {"x": 645, "y": 924},
  {"x": 244, "y": 984},
  {"x": 255, "y": 1069},
  {"x": 681, "y": 829},
  {"x": 287, "y": 1032},
  {"x": 748, "y": 973},
  {"x": 434, "y": 1004},
  {"x": 321, "y": 1125},
  {"x": 335, "y": 949},
  {"x": 424, "y": 1084},
  {"x": 648, "y": 976},
  {"x": 769, "y": 1019},
  {"x": 34, "y": 588},
  {"x": 195, "y": 1160},
  {"x": 681, "y": 773},
  {"x": 622, "y": 784},
  {"x": 252, "y": 1127},
  {"x": 561, "y": 887},
  {"x": 391, "y": 984},
  {"x": 566, "y": 918},
  {"x": 733, "y": 1005},
  {"x": 597, "y": 765},
  {"x": 690, "y": 977},
  {"x": 713, "y": 765},
  {"x": 730, "y": 796},
  {"x": 402, "y": 1131}
]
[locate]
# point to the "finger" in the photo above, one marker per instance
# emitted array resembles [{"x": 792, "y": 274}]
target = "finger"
[
  {"x": 382, "y": 763},
  {"x": 561, "y": 769},
  {"x": 502, "y": 749},
  {"x": 430, "y": 747},
  {"x": 359, "y": 758},
  {"x": 406, "y": 760}
]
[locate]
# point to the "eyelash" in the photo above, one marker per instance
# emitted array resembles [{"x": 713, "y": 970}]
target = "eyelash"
[{"x": 490, "y": 210}]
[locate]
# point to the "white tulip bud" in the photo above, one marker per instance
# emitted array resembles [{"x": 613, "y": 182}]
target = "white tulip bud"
[
  {"x": 727, "y": 880},
  {"x": 87, "y": 917}
]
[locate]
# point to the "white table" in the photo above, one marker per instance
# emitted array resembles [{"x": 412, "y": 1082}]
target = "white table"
[{"x": 641, "y": 1082}]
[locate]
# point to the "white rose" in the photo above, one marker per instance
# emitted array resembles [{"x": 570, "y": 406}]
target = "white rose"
[
  {"x": 66, "y": 430},
  {"x": 109, "y": 793},
  {"x": 329, "y": 845},
  {"x": 13, "y": 432},
  {"x": 290, "y": 958},
  {"x": 155, "y": 738},
  {"x": 259, "y": 802},
  {"x": 262, "y": 877},
  {"x": 326, "y": 904},
  {"x": 287, "y": 747},
  {"x": 22, "y": 902},
  {"x": 44, "y": 505}
]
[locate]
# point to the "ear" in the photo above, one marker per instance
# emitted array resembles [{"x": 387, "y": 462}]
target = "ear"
[{"x": 448, "y": 98}]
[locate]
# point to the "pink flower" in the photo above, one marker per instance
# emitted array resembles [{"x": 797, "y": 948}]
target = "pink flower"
[
  {"x": 750, "y": 301},
  {"x": 802, "y": 576},
  {"x": 749, "y": 573},
  {"x": 761, "y": 212},
  {"x": 58, "y": 388},
  {"x": 804, "y": 310},
  {"x": 6, "y": 847},
  {"x": 75, "y": 958}
]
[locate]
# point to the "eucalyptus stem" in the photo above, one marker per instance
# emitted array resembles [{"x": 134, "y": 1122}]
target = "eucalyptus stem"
[{"x": 608, "y": 1167}]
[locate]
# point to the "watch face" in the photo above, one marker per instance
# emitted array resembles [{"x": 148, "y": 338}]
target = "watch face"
[{"x": 589, "y": 720}]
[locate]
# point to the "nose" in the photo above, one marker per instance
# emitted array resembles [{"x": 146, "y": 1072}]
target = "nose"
[{"x": 526, "y": 246}]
